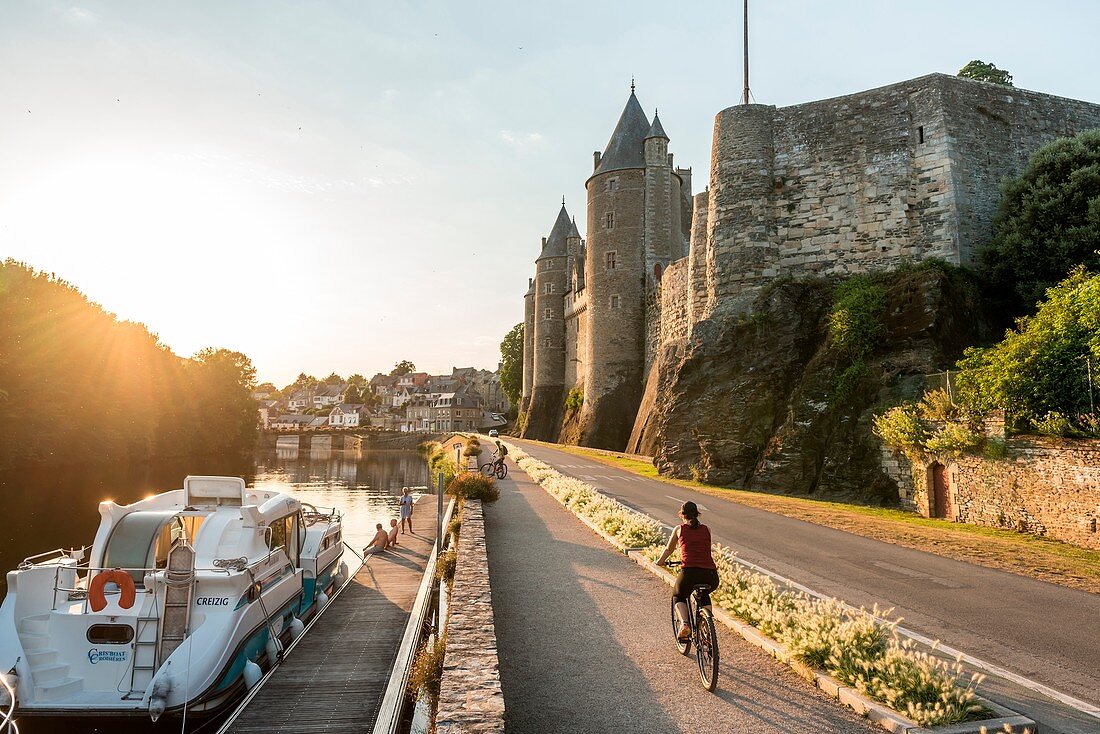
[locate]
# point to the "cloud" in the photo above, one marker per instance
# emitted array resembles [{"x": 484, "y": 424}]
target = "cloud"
[
  {"x": 80, "y": 15},
  {"x": 520, "y": 140}
]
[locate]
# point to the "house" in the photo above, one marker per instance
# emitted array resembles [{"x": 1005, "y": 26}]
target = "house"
[
  {"x": 348, "y": 415},
  {"x": 456, "y": 411},
  {"x": 418, "y": 412},
  {"x": 383, "y": 386},
  {"x": 413, "y": 379},
  {"x": 299, "y": 400},
  {"x": 291, "y": 422},
  {"x": 268, "y": 409},
  {"x": 319, "y": 421},
  {"x": 329, "y": 395},
  {"x": 403, "y": 395}
]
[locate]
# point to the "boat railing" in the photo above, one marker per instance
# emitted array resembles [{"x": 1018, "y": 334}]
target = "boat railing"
[
  {"x": 57, "y": 554},
  {"x": 79, "y": 592}
]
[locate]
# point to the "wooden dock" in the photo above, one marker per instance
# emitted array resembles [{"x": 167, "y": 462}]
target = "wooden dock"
[{"x": 334, "y": 679}]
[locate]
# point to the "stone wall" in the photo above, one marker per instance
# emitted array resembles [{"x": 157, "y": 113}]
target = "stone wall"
[
  {"x": 868, "y": 181},
  {"x": 675, "y": 302},
  {"x": 470, "y": 698},
  {"x": 1049, "y": 487}
]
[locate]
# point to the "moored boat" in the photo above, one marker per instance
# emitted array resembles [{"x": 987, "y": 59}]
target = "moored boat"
[{"x": 179, "y": 604}]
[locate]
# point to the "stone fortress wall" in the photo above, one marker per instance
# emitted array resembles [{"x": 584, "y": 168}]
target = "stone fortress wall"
[{"x": 854, "y": 184}]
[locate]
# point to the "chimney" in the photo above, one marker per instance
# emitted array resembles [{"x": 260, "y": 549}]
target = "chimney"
[{"x": 595, "y": 159}]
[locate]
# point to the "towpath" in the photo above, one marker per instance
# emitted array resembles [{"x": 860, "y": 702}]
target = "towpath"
[
  {"x": 585, "y": 642},
  {"x": 1041, "y": 631}
]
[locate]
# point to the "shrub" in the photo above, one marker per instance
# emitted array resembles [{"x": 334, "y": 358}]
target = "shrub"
[
  {"x": 473, "y": 486},
  {"x": 454, "y": 527},
  {"x": 441, "y": 462},
  {"x": 901, "y": 428},
  {"x": 1054, "y": 424},
  {"x": 446, "y": 565},
  {"x": 473, "y": 447},
  {"x": 848, "y": 382},
  {"x": 953, "y": 439},
  {"x": 855, "y": 321},
  {"x": 427, "y": 669},
  {"x": 937, "y": 405},
  {"x": 575, "y": 399}
]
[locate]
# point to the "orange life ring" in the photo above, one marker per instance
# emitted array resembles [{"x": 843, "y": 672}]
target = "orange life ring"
[{"x": 127, "y": 592}]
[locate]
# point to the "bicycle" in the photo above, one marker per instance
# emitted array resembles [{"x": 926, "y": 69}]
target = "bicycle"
[
  {"x": 703, "y": 634},
  {"x": 495, "y": 467}
]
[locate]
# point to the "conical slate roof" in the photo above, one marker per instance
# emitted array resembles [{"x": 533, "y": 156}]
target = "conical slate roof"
[
  {"x": 530, "y": 288},
  {"x": 625, "y": 149},
  {"x": 656, "y": 130},
  {"x": 555, "y": 243},
  {"x": 573, "y": 229}
]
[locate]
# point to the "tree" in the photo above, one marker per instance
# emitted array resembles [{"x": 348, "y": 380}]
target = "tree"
[
  {"x": 1039, "y": 374},
  {"x": 358, "y": 380},
  {"x": 301, "y": 382},
  {"x": 353, "y": 395},
  {"x": 511, "y": 364},
  {"x": 403, "y": 367},
  {"x": 985, "y": 72},
  {"x": 1048, "y": 221},
  {"x": 267, "y": 387},
  {"x": 334, "y": 379}
]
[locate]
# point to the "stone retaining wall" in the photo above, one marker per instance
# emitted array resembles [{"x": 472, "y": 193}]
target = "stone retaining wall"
[
  {"x": 470, "y": 699},
  {"x": 1046, "y": 486}
]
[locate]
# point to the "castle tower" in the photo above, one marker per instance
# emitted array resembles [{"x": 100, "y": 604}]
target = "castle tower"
[
  {"x": 528, "y": 343},
  {"x": 634, "y": 231},
  {"x": 548, "y": 366}
]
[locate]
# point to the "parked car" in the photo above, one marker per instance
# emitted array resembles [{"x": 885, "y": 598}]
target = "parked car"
[{"x": 494, "y": 433}]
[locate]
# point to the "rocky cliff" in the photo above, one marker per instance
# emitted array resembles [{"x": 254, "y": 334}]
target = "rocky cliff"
[{"x": 766, "y": 400}]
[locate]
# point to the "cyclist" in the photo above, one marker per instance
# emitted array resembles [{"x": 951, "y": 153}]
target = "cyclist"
[
  {"x": 697, "y": 563},
  {"x": 502, "y": 451}
]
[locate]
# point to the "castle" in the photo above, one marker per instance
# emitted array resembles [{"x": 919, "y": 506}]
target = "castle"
[{"x": 854, "y": 184}]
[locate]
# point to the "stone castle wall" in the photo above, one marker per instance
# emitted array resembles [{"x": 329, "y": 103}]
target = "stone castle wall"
[
  {"x": 869, "y": 181},
  {"x": 1049, "y": 487}
]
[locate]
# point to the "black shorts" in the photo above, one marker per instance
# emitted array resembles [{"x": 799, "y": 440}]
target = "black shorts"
[{"x": 689, "y": 578}]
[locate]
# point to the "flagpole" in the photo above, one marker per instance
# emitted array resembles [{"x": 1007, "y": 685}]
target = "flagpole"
[{"x": 745, "y": 93}]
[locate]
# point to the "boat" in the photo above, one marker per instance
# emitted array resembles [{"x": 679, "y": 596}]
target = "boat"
[{"x": 180, "y": 604}]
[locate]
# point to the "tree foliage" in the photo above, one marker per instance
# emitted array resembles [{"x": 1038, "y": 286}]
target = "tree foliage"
[
  {"x": 985, "y": 72},
  {"x": 403, "y": 367},
  {"x": 83, "y": 385},
  {"x": 1039, "y": 373},
  {"x": 511, "y": 364},
  {"x": 1048, "y": 221}
]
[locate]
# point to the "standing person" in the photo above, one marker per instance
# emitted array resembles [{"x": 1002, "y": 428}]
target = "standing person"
[
  {"x": 393, "y": 532},
  {"x": 697, "y": 564},
  {"x": 406, "y": 509}
]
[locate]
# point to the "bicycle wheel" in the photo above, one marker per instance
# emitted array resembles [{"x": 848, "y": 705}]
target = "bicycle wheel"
[
  {"x": 502, "y": 470},
  {"x": 682, "y": 645},
  {"x": 487, "y": 469},
  {"x": 706, "y": 649}
]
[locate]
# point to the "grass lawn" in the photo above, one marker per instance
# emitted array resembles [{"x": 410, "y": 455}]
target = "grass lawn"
[{"x": 1022, "y": 553}]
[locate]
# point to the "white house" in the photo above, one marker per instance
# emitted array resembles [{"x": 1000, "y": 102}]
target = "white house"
[
  {"x": 300, "y": 400},
  {"x": 328, "y": 395},
  {"x": 347, "y": 415}
]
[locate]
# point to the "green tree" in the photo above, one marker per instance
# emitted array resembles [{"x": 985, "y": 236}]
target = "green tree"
[
  {"x": 985, "y": 72},
  {"x": 403, "y": 367},
  {"x": 334, "y": 379},
  {"x": 353, "y": 394},
  {"x": 1048, "y": 221},
  {"x": 1039, "y": 373},
  {"x": 511, "y": 364},
  {"x": 358, "y": 380}
]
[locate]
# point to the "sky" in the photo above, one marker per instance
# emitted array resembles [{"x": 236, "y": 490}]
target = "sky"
[{"x": 336, "y": 186}]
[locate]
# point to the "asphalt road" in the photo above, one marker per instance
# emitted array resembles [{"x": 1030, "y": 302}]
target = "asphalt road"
[
  {"x": 1047, "y": 633},
  {"x": 585, "y": 642}
]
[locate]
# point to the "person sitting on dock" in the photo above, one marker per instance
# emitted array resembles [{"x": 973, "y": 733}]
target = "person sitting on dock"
[
  {"x": 379, "y": 542},
  {"x": 393, "y": 532}
]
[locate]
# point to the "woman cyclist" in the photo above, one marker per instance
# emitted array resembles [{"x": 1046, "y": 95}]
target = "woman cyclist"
[{"x": 697, "y": 565}]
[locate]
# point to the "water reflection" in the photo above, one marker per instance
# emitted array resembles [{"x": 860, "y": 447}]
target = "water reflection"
[{"x": 57, "y": 507}]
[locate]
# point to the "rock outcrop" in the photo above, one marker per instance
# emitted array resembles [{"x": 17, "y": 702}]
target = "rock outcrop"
[{"x": 755, "y": 400}]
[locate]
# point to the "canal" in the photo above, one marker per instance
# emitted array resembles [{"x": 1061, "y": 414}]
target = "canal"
[{"x": 58, "y": 507}]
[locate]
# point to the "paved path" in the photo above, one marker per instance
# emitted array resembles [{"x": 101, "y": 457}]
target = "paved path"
[
  {"x": 586, "y": 645},
  {"x": 1045, "y": 632}
]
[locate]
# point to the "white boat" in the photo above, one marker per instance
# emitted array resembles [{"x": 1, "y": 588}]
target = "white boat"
[{"x": 181, "y": 602}]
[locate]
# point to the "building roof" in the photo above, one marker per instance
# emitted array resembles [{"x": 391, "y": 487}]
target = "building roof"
[
  {"x": 293, "y": 418},
  {"x": 347, "y": 408},
  {"x": 530, "y": 288},
  {"x": 573, "y": 231},
  {"x": 555, "y": 243},
  {"x": 656, "y": 130},
  {"x": 626, "y": 147}
]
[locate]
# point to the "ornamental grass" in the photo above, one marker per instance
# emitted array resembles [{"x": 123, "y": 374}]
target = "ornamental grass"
[{"x": 860, "y": 649}]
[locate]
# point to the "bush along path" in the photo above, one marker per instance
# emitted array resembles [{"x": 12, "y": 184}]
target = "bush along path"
[{"x": 854, "y": 654}]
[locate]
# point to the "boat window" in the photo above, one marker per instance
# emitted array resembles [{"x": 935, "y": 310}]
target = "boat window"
[
  {"x": 110, "y": 634},
  {"x": 130, "y": 546},
  {"x": 283, "y": 530}
]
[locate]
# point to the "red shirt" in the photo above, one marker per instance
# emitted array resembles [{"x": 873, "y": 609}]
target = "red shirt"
[{"x": 695, "y": 547}]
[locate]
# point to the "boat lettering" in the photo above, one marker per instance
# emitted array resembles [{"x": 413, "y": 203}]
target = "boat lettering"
[
  {"x": 212, "y": 601},
  {"x": 96, "y": 655}
]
